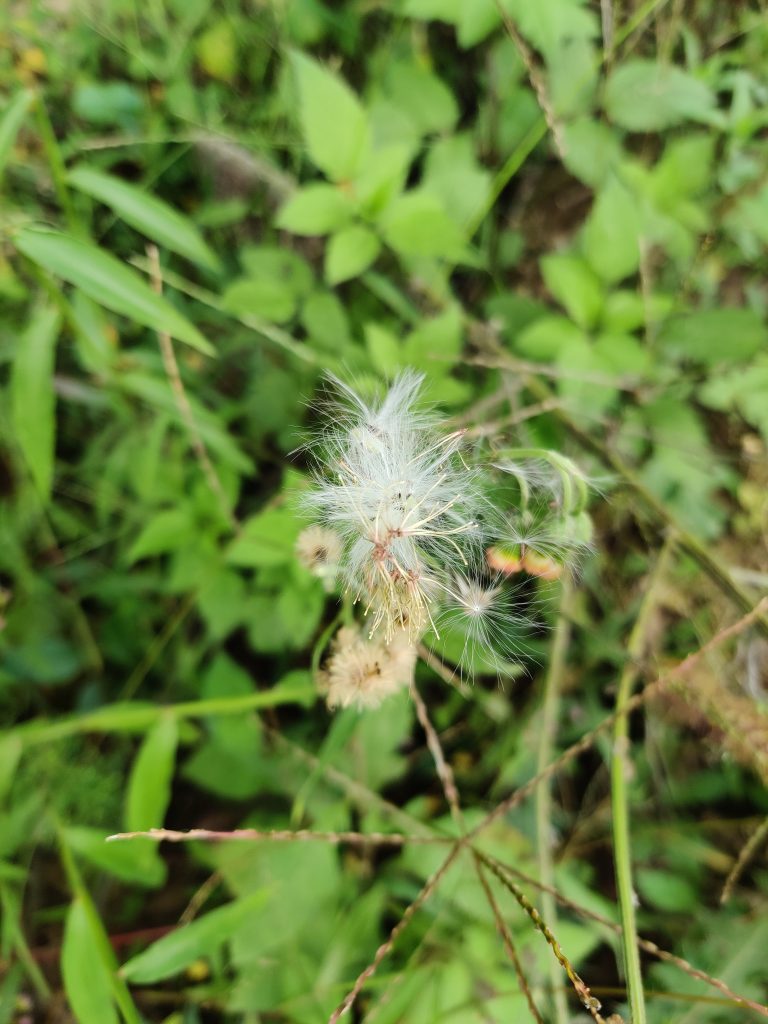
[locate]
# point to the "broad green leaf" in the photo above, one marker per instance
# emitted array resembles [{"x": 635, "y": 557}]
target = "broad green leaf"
[
  {"x": 438, "y": 10},
  {"x": 333, "y": 122},
  {"x": 269, "y": 298},
  {"x": 107, "y": 281},
  {"x": 624, "y": 354},
  {"x": 573, "y": 77},
  {"x": 546, "y": 337},
  {"x": 221, "y": 601},
  {"x": 384, "y": 349},
  {"x": 684, "y": 170},
  {"x": 315, "y": 210},
  {"x": 326, "y": 322},
  {"x": 127, "y": 861},
  {"x": 475, "y": 20},
  {"x": 382, "y": 177},
  {"x": 148, "y": 214},
  {"x": 32, "y": 396},
  {"x": 173, "y": 952},
  {"x": 349, "y": 252},
  {"x": 87, "y": 978},
  {"x": 585, "y": 377},
  {"x": 548, "y": 23},
  {"x": 668, "y": 890},
  {"x": 217, "y": 50},
  {"x": 279, "y": 264},
  {"x": 149, "y": 785},
  {"x": 11, "y": 122},
  {"x": 647, "y": 96},
  {"x": 611, "y": 238},
  {"x": 267, "y": 539},
  {"x": 714, "y": 336},
  {"x": 744, "y": 390},
  {"x": 109, "y": 103},
  {"x": 453, "y": 174},
  {"x": 421, "y": 95},
  {"x": 575, "y": 286},
  {"x": 416, "y": 224},
  {"x": 592, "y": 150},
  {"x": 435, "y": 345},
  {"x": 166, "y": 531}
]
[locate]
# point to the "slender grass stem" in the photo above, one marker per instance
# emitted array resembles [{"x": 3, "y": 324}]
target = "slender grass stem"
[
  {"x": 620, "y": 793},
  {"x": 547, "y": 733}
]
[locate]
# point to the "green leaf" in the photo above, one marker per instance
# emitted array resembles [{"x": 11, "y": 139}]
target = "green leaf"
[
  {"x": 221, "y": 600},
  {"x": 585, "y": 377},
  {"x": 107, "y": 281},
  {"x": 453, "y": 174},
  {"x": 149, "y": 785},
  {"x": 166, "y": 531},
  {"x": 611, "y": 238},
  {"x": 173, "y": 952},
  {"x": 647, "y": 96},
  {"x": 714, "y": 336},
  {"x": 593, "y": 150},
  {"x": 148, "y": 214},
  {"x": 11, "y": 122},
  {"x": 87, "y": 978},
  {"x": 743, "y": 390},
  {"x": 333, "y": 122},
  {"x": 267, "y": 539},
  {"x": 575, "y": 287},
  {"x": 422, "y": 96},
  {"x": 382, "y": 177},
  {"x": 271, "y": 299},
  {"x": 667, "y": 891},
  {"x": 217, "y": 50},
  {"x": 548, "y": 23},
  {"x": 325, "y": 321},
  {"x": 108, "y": 103},
  {"x": 315, "y": 210},
  {"x": 127, "y": 861},
  {"x": 32, "y": 396},
  {"x": 546, "y": 337},
  {"x": 384, "y": 349},
  {"x": 416, "y": 224},
  {"x": 10, "y": 754},
  {"x": 350, "y": 251},
  {"x": 435, "y": 345}
]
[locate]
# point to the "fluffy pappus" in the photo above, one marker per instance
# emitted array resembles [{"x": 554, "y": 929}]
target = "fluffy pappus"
[
  {"x": 362, "y": 672},
  {"x": 404, "y": 502}
]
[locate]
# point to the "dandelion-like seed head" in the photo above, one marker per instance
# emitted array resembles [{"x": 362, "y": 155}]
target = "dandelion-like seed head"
[
  {"x": 416, "y": 542},
  {"x": 399, "y": 494},
  {"x": 361, "y": 671},
  {"x": 320, "y": 550}
]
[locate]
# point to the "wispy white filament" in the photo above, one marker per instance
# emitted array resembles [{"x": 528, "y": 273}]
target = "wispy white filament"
[{"x": 402, "y": 499}]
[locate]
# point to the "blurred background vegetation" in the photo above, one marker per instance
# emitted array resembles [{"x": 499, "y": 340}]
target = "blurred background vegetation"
[{"x": 558, "y": 211}]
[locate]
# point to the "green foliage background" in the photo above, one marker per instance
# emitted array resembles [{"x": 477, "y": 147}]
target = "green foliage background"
[{"x": 557, "y": 211}]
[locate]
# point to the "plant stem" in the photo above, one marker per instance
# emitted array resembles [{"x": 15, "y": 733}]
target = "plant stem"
[
  {"x": 620, "y": 797},
  {"x": 547, "y": 734}
]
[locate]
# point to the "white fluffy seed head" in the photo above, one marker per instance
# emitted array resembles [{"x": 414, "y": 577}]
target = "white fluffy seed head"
[
  {"x": 420, "y": 546},
  {"x": 481, "y": 614},
  {"x": 397, "y": 491},
  {"x": 320, "y": 550},
  {"x": 362, "y": 672}
]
